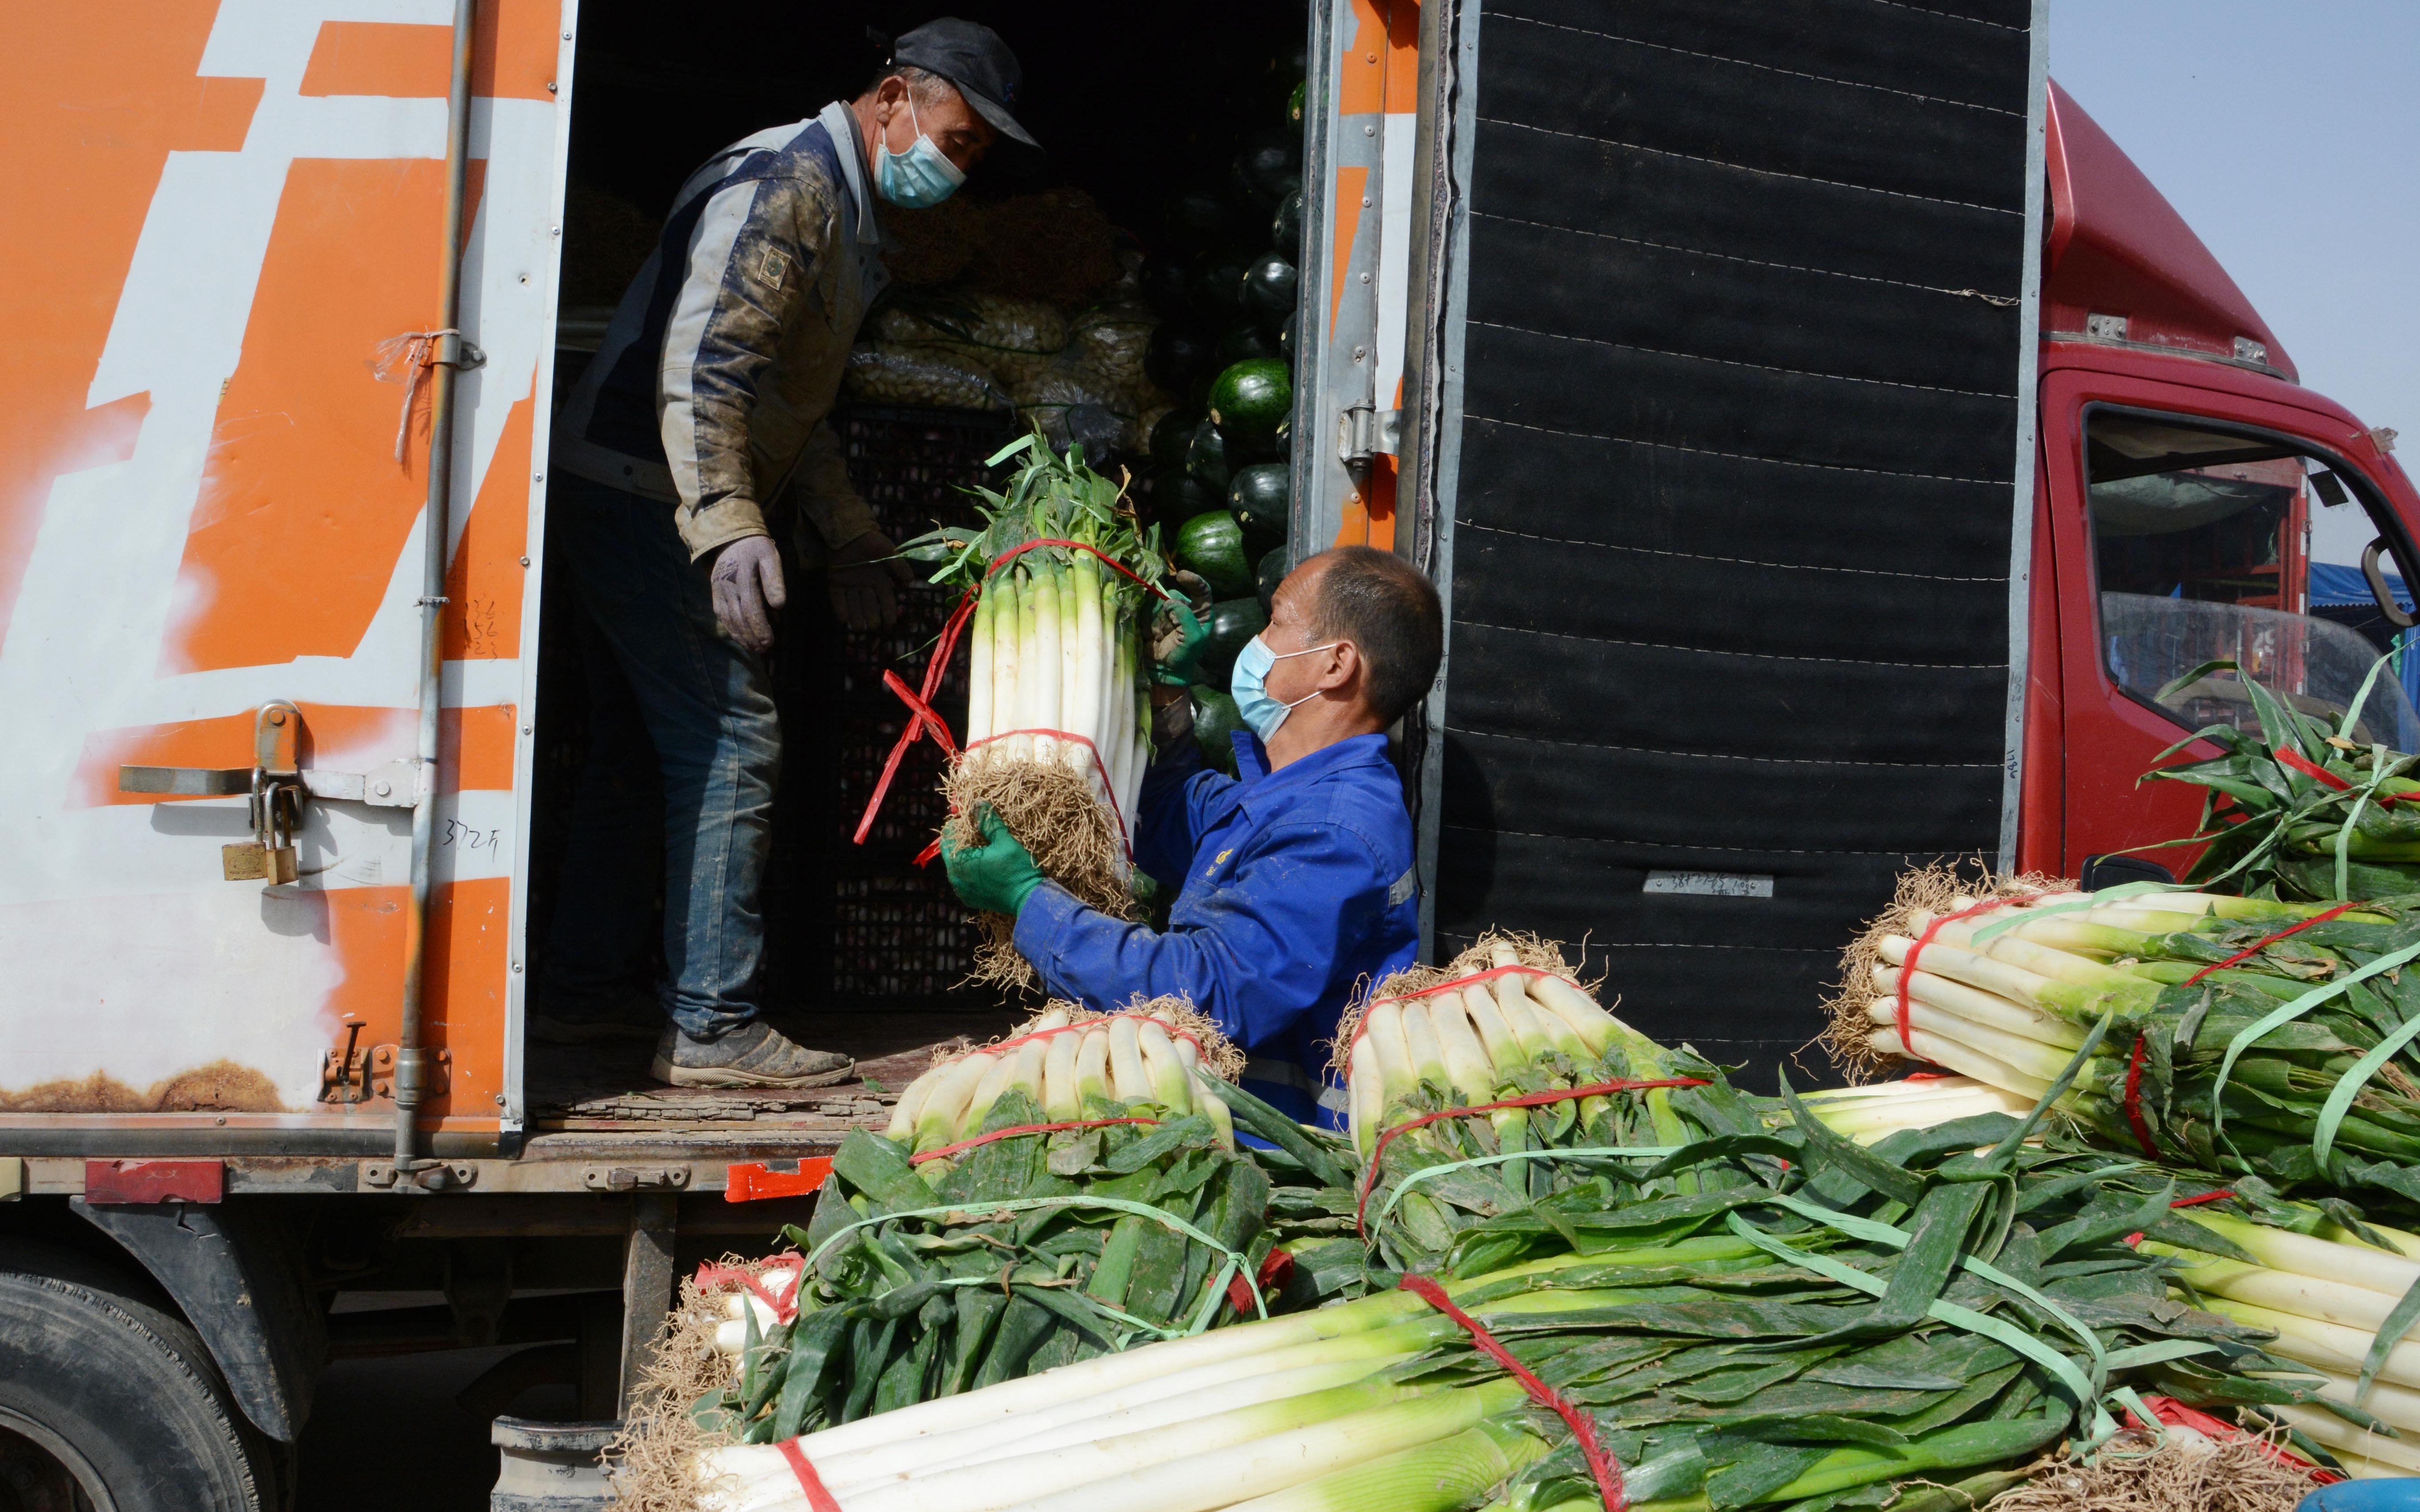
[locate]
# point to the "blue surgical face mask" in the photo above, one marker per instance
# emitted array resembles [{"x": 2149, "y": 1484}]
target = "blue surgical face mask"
[
  {"x": 919, "y": 178},
  {"x": 1260, "y": 712}
]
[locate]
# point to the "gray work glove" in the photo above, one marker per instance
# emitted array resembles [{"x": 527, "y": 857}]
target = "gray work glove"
[
  {"x": 1171, "y": 718},
  {"x": 866, "y": 576},
  {"x": 747, "y": 577}
]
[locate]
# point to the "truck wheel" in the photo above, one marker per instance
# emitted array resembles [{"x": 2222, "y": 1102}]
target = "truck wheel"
[{"x": 109, "y": 1402}]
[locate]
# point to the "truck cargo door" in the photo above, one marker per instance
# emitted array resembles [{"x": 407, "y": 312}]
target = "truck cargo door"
[
  {"x": 1721, "y": 408},
  {"x": 211, "y": 503}
]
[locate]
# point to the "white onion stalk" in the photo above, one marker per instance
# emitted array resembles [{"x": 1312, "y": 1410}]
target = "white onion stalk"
[
  {"x": 2042, "y": 1062},
  {"x": 2396, "y": 1456},
  {"x": 2313, "y": 1342},
  {"x": 1981, "y": 1007},
  {"x": 1943, "y": 1050}
]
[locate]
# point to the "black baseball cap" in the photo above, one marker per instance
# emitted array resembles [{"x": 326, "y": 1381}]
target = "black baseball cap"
[{"x": 971, "y": 57}]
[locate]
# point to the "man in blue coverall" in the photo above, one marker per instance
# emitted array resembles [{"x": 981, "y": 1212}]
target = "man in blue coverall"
[{"x": 1297, "y": 878}]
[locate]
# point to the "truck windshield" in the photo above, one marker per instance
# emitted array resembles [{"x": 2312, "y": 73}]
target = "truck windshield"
[{"x": 2201, "y": 540}]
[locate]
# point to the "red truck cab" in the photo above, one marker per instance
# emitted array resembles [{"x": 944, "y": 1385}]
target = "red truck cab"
[{"x": 2183, "y": 471}]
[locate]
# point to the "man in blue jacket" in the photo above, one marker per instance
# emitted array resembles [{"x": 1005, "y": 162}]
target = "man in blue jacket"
[{"x": 1294, "y": 882}]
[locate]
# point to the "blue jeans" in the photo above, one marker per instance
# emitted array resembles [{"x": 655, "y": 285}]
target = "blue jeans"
[{"x": 682, "y": 732}]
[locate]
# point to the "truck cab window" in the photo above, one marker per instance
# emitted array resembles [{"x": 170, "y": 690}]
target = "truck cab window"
[{"x": 2203, "y": 547}]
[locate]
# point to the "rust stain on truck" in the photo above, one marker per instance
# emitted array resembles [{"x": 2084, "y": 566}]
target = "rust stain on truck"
[{"x": 220, "y": 1086}]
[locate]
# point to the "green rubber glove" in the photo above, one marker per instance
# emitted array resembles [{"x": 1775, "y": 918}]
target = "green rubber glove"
[
  {"x": 1179, "y": 639},
  {"x": 996, "y": 876}
]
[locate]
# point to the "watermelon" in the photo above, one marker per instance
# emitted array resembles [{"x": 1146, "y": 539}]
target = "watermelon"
[
  {"x": 1241, "y": 343},
  {"x": 1285, "y": 227},
  {"x": 1170, "y": 436},
  {"x": 1212, "y": 544},
  {"x": 1272, "y": 571},
  {"x": 1214, "y": 723},
  {"x": 1232, "y": 623},
  {"x": 1261, "y": 498},
  {"x": 1294, "y": 106},
  {"x": 1217, "y": 285},
  {"x": 1178, "y": 359},
  {"x": 1194, "y": 217},
  {"x": 1269, "y": 165},
  {"x": 1268, "y": 289},
  {"x": 1285, "y": 338},
  {"x": 1206, "y": 459},
  {"x": 1253, "y": 400},
  {"x": 1177, "y": 497}
]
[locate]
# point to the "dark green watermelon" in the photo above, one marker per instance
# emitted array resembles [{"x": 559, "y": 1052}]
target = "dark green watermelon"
[
  {"x": 1285, "y": 227},
  {"x": 1252, "y": 401},
  {"x": 1177, "y": 497},
  {"x": 1217, "y": 285},
  {"x": 1285, "y": 337},
  {"x": 1261, "y": 498},
  {"x": 1242, "y": 343},
  {"x": 1270, "y": 288},
  {"x": 1206, "y": 459},
  {"x": 1195, "y": 219},
  {"x": 1172, "y": 436},
  {"x": 1271, "y": 572},
  {"x": 1178, "y": 359},
  {"x": 1233, "y": 622},
  {"x": 1214, "y": 723},
  {"x": 1269, "y": 159},
  {"x": 1212, "y": 544}
]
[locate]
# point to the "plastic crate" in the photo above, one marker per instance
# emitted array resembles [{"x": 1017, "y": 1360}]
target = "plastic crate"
[{"x": 899, "y": 933}]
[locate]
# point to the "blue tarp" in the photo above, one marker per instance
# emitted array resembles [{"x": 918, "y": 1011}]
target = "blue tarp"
[
  {"x": 2336, "y": 586},
  {"x": 2339, "y": 587}
]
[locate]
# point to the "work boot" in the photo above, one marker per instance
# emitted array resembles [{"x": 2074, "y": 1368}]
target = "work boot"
[
  {"x": 754, "y": 1054},
  {"x": 632, "y": 1015}
]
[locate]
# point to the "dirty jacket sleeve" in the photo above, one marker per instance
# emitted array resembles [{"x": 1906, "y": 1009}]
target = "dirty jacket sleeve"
[
  {"x": 1258, "y": 953},
  {"x": 752, "y": 266},
  {"x": 832, "y": 513}
]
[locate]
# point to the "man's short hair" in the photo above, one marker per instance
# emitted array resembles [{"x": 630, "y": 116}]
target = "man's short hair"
[
  {"x": 924, "y": 86},
  {"x": 1390, "y": 610}
]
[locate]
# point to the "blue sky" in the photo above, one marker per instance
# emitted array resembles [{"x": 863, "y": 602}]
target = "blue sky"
[{"x": 2288, "y": 134}]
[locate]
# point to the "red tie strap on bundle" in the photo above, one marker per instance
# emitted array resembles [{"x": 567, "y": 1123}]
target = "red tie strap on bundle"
[
  {"x": 784, "y": 1308},
  {"x": 1535, "y": 1099},
  {"x": 1277, "y": 1267},
  {"x": 1583, "y": 1426},
  {"x": 2134, "y": 1101},
  {"x": 2296, "y": 760},
  {"x": 2221, "y": 1194},
  {"x": 921, "y": 717},
  {"x": 1361, "y": 1025},
  {"x": 2270, "y": 940},
  {"x": 2176, "y": 1414},
  {"x": 1907, "y": 969},
  {"x": 819, "y": 1498},
  {"x": 1020, "y": 1129}
]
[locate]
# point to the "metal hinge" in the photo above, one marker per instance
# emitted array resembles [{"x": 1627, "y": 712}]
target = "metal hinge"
[
  {"x": 1365, "y": 430},
  {"x": 276, "y": 785},
  {"x": 431, "y": 1175}
]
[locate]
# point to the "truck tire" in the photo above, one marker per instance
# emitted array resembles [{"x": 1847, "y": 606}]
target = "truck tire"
[{"x": 117, "y": 1390}]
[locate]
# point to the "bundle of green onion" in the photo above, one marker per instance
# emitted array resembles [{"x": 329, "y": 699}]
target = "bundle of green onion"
[
  {"x": 2234, "y": 1035},
  {"x": 1814, "y": 1324},
  {"x": 1067, "y": 1059},
  {"x": 2312, "y": 811},
  {"x": 1058, "y": 717},
  {"x": 1065, "y": 1194},
  {"x": 2340, "y": 1304}
]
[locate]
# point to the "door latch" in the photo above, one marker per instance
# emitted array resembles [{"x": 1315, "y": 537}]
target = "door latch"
[{"x": 276, "y": 785}]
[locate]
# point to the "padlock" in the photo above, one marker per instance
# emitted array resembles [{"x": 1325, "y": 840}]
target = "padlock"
[{"x": 270, "y": 857}]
